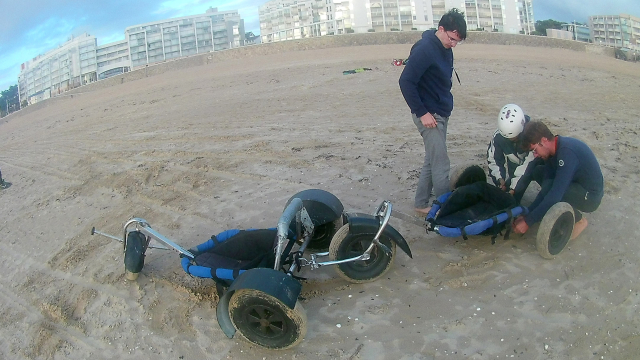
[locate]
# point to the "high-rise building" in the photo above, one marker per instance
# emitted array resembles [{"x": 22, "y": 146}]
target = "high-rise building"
[
  {"x": 71, "y": 65},
  {"x": 80, "y": 60},
  {"x": 621, "y": 31},
  {"x": 292, "y": 19},
  {"x": 173, "y": 38},
  {"x": 508, "y": 16},
  {"x": 296, "y": 19},
  {"x": 113, "y": 59}
]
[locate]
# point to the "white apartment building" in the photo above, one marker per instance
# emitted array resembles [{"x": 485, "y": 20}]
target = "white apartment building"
[
  {"x": 296, "y": 19},
  {"x": 71, "y": 65},
  {"x": 113, "y": 59},
  {"x": 173, "y": 38},
  {"x": 292, "y": 19},
  {"x": 507, "y": 16},
  {"x": 622, "y": 31},
  {"x": 80, "y": 61},
  {"x": 527, "y": 21}
]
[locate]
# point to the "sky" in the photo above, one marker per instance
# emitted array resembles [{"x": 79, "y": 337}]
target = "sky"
[{"x": 29, "y": 28}]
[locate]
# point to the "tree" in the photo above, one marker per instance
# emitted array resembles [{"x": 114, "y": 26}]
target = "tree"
[
  {"x": 9, "y": 100},
  {"x": 543, "y": 25},
  {"x": 250, "y": 36}
]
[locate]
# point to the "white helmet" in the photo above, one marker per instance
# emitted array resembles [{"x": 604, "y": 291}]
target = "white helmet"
[{"x": 511, "y": 121}]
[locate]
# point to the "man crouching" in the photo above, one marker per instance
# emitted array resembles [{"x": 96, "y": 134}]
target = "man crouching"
[{"x": 572, "y": 174}]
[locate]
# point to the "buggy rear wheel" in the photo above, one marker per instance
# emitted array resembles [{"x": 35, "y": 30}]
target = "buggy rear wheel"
[
  {"x": 266, "y": 321},
  {"x": 345, "y": 245},
  {"x": 555, "y": 230},
  {"x": 134, "y": 254}
]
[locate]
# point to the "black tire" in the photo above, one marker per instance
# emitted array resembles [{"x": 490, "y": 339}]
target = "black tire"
[
  {"x": 266, "y": 321},
  {"x": 134, "y": 254},
  {"x": 322, "y": 235},
  {"x": 555, "y": 230},
  {"x": 345, "y": 246},
  {"x": 466, "y": 174}
]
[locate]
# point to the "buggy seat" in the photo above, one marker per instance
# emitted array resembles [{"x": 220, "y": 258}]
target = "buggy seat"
[
  {"x": 231, "y": 252},
  {"x": 478, "y": 208}
]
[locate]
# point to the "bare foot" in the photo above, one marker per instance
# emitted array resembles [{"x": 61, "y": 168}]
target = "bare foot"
[
  {"x": 579, "y": 227},
  {"x": 423, "y": 211}
]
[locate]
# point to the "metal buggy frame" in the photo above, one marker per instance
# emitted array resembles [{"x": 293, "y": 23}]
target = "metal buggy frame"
[{"x": 262, "y": 303}]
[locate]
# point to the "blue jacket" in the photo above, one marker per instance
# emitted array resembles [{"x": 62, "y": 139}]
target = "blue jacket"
[
  {"x": 573, "y": 162},
  {"x": 426, "y": 79}
]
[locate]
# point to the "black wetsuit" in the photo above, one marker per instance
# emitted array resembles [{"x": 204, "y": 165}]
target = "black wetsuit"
[{"x": 572, "y": 175}]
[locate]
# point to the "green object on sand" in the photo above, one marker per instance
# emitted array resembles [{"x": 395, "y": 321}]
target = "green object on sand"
[{"x": 354, "y": 71}]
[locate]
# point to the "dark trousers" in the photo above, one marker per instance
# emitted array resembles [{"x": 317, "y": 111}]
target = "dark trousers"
[{"x": 576, "y": 195}]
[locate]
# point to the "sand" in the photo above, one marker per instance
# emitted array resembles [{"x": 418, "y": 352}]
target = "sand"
[{"x": 205, "y": 149}]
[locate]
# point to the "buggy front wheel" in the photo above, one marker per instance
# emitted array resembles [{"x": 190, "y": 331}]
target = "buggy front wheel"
[
  {"x": 134, "y": 254},
  {"x": 345, "y": 246},
  {"x": 555, "y": 230},
  {"x": 266, "y": 321}
]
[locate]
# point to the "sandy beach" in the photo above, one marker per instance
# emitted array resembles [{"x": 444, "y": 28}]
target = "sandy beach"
[{"x": 209, "y": 148}]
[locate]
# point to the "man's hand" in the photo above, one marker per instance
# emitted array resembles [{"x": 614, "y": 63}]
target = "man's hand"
[
  {"x": 503, "y": 185},
  {"x": 520, "y": 226},
  {"x": 428, "y": 120}
]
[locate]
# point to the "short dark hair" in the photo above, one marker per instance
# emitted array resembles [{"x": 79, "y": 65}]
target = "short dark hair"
[
  {"x": 453, "y": 20},
  {"x": 533, "y": 132}
]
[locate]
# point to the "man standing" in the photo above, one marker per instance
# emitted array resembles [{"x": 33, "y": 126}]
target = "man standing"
[
  {"x": 572, "y": 174},
  {"x": 426, "y": 86}
]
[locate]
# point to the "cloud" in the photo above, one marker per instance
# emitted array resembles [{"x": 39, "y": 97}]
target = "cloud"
[
  {"x": 50, "y": 33},
  {"x": 37, "y": 26},
  {"x": 580, "y": 10},
  {"x": 178, "y": 8}
]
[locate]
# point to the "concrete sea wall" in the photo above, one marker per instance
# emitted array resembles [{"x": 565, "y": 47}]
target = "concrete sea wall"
[{"x": 394, "y": 37}]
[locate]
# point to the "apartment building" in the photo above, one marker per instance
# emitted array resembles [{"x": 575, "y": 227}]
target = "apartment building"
[
  {"x": 621, "y": 31},
  {"x": 578, "y": 32},
  {"x": 527, "y": 21},
  {"x": 113, "y": 59},
  {"x": 508, "y": 16},
  {"x": 184, "y": 36},
  {"x": 71, "y": 65},
  {"x": 80, "y": 60},
  {"x": 294, "y": 19}
]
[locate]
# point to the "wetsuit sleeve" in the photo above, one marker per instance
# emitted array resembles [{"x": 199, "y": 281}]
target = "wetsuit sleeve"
[
  {"x": 567, "y": 166},
  {"x": 418, "y": 63},
  {"x": 496, "y": 161}
]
